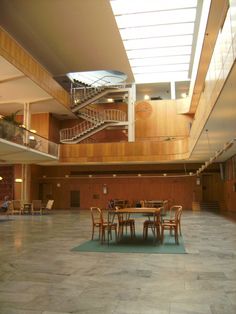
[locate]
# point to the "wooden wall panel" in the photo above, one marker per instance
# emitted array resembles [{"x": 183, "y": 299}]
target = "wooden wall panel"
[
  {"x": 177, "y": 190},
  {"x": 162, "y": 120},
  {"x": 20, "y": 58},
  {"x": 230, "y": 195},
  {"x": 40, "y": 123},
  {"x": 125, "y": 152}
]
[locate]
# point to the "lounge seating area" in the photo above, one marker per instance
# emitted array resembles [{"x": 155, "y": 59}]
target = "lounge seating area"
[{"x": 17, "y": 207}]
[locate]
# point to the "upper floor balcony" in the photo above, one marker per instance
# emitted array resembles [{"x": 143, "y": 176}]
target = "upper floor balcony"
[{"x": 20, "y": 145}]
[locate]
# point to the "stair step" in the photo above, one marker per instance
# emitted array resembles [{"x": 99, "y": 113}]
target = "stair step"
[{"x": 211, "y": 206}]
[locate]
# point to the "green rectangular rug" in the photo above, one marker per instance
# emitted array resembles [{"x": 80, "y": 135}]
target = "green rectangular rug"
[{"x": 136, "y": 245}]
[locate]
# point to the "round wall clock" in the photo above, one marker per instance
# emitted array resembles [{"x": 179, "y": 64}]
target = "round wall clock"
[{"x": 143, "y": 109}]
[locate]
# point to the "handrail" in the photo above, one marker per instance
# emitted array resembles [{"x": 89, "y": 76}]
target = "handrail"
[
  {"x": 21, "y": 136},
  {"x": 102, "y": 79},
  {"x": 101, "y": 117}
]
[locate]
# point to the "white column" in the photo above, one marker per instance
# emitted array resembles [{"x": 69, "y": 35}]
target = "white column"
[
  {"x": 27, "y": 116},
  {"x": 172, "y": 90},
  {"x": 25, "y": 191},
  {"x": 131, "y": 113}
]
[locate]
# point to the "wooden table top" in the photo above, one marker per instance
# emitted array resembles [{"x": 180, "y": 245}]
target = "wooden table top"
[{"x": 137, "y": 210}]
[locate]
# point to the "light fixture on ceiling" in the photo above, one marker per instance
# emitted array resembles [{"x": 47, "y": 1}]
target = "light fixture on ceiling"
[
  {"x": 110, "y": 100},
  {"x": 146, "y": 97},
  {"x": 1, "y": 178}
]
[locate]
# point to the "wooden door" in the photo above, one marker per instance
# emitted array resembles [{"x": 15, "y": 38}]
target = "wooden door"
[{"x": 75, "y": 198}]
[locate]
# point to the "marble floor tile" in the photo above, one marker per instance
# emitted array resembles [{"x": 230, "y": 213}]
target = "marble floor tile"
[{"x": 39, "y": 274}]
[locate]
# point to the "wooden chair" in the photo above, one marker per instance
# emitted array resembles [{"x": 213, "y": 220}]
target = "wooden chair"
[
  {"x": 165, "y": 207},
  {"x": 153, "y": 224},
  {"x": 37, "y": 207},
  {"x": 48, "y": 208},
  {"x": 124, "y": 222},
  {"x": 173, "y": 223},
  {"x": 96, "y": 220},
  {"x": 16, "y": 207},
  {"x": 107, "y": 226}
]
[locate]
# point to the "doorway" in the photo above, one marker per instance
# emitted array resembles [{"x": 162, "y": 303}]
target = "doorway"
[
  {"x": 45, "y": 192},
  {"x": 75, "y": 198}
]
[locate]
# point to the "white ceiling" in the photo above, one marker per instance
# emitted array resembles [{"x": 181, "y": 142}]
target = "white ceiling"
[{"x": 78, "y": 35}]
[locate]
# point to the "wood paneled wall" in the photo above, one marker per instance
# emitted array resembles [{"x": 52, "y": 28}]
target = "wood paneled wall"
[
  {"x": 21, "y": 59},
  {"x": 230, "y": 195},
  {"x": 125, "y": 152},
  {"x": 155, "y": 119},
  {"x": 40, "y": 123},
  {"x": 178, "y": 190},
  {"x": 217, "y": 14}
]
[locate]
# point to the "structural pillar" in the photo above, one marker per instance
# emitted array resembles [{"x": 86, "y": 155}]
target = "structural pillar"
[
  {"x": 131, "y": 113},
  {"x": 172, "y": 90}
]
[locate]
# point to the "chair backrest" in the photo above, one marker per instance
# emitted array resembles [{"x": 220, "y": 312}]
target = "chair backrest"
[
  {"x": 175, "y": 212},
  {"x": 165, "y": 206},
  {"x": 96, "y": 214},
  {"x": 157, "y": 215},
  {"x": 16, "y": 204},
  {"x": 37, "y": 204},
  {"x": 49, "y": 204}
]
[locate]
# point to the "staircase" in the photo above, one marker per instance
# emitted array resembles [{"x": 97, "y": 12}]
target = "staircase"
[
  {"x": 212, "y": 206},
  {"x": 83, "y": 96},
  {"x": 94, "y": 120}
]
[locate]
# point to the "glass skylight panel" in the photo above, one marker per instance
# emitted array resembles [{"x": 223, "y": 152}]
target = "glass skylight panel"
[
  {"x": 160, "y": 68},
  {"x": 161, "y": 77},
  {"x": 157, "y": 36},
  {"x": 156, "y": 18},
  {"x": 134, "y": 6},
  {"x": 157, "y": 30},
  {"x": 159, "y": 61},
  {"x": 158, "y": 42},
  {"x": 158, "y": 52}
]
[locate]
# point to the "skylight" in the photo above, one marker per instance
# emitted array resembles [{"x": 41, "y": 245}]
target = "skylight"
[{"x": 158, "y": 37}]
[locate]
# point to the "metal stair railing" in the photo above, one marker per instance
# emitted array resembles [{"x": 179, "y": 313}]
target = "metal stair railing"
[
  {"x": 82, "y": 93},
  {"x": 105, "y": 116},
  {"x": 92, "y": 114}
]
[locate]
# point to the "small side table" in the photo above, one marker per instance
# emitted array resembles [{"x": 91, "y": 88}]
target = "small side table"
[{"x": 27, "y": 208}]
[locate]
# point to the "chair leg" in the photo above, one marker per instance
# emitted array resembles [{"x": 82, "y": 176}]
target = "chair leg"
[
  {"x": 92, "y": 231},
  {"x": 176, "y": 236},
  {"x": 144, "y": 232},
  {"x": 180, "y": 233},
  {"x": 162, "y": 235}
]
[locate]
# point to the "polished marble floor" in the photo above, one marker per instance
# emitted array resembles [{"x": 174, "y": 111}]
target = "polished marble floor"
[{"x": 39, "y": 274}]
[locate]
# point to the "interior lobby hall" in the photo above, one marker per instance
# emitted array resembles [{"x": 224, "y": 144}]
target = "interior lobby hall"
[{"x": 129, "y": 103}]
